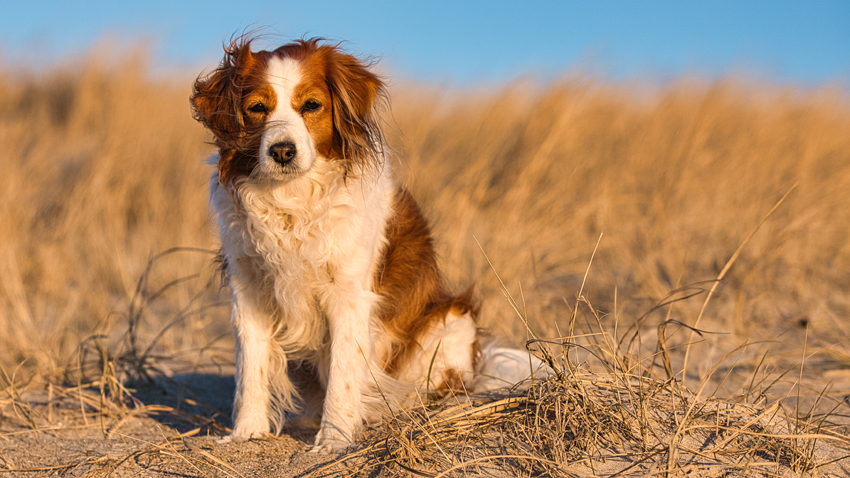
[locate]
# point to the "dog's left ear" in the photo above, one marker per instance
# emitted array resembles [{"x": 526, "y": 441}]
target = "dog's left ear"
[
  {"x": 216, "y": 102},
  {"x": 355, "y": 94},
  {"x": 216, "y": 99}
]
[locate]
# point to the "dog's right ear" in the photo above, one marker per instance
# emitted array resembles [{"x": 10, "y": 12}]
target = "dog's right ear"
[{"x": 216, "y": 98}]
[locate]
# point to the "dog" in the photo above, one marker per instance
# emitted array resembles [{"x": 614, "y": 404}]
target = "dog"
[{"x": 336, "y": 295}]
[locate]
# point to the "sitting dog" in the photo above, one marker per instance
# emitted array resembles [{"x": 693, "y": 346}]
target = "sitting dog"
[{"x": 335, "y": 286}]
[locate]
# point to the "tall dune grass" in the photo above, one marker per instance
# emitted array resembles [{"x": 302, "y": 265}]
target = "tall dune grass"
[
  {"x": 673, "y": 181},
  {"x": 102, "y": 168}
]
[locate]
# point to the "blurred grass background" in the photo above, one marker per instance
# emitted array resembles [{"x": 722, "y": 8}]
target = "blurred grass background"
[{"x": 101, "y": 168}]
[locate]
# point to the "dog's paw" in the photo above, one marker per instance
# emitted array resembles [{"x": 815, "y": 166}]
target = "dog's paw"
[
  {"x": 245, "y": 433},
  {"x": 239, "y": 439},
  {"x": 331, "y": 446},
  {"x": 329, "y": 440},
  {"x": 250, "y": 423},
  {"x": 234, "y": 438}
]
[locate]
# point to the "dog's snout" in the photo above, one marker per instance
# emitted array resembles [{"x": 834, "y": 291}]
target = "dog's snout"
[{"x": 283, "y": 152}]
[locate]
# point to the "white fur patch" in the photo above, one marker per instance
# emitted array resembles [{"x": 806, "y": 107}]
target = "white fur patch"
[{"x": 284, "y": 124}]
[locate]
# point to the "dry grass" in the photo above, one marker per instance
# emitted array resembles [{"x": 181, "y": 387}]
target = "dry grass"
[
  {"x": 608, "y": 416},
  {"x": 102, "y": 171},
  {"x": 596, "y": 424}
]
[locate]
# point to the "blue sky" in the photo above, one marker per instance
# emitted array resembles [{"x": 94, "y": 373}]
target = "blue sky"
[{"x": 463, "y": 42}]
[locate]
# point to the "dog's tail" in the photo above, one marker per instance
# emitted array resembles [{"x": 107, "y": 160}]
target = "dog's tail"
[{"x": 501, "y": 367}]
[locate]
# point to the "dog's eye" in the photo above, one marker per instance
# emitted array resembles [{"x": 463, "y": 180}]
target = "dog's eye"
[
  {"x": 310, "y": 105},
  {"x": 258, "y": 108}
]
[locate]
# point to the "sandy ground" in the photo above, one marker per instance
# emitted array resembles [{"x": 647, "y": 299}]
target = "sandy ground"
[
  {"x": 177, "y": 433},
  {"x": 173, "y": 434}
]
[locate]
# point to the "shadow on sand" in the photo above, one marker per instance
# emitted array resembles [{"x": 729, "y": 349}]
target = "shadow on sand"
[{"x": 205, "y": 401}]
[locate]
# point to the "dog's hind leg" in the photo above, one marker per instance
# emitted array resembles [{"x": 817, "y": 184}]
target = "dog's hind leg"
[{"x": 445, "y": 355}]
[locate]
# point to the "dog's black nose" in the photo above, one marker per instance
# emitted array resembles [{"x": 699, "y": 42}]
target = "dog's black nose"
[{"x": 282, "y": 152}]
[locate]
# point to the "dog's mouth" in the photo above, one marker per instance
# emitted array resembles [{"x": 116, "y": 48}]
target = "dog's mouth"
[
  {"x": 283, "y": 173},
  {"x": 287, "y": 171}
]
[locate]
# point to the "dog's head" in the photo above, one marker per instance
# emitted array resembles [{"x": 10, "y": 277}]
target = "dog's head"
[{"x": 275, "y": 113}]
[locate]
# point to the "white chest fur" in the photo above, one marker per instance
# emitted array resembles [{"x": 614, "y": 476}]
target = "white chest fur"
[{"x": 287, "y": 244}]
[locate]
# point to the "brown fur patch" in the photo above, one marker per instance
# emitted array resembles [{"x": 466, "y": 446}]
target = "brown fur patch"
[
  {"x": 314, "y": 87},
  {"x": 451, "y": 384},
  {"x": 476, "y": 354},
  {"x": 414, "y": 293}
]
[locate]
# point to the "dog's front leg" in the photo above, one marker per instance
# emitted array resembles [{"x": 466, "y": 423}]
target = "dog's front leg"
[
  {"x": 349, "y": 307},
  {"x": 253, "y": 332}
]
